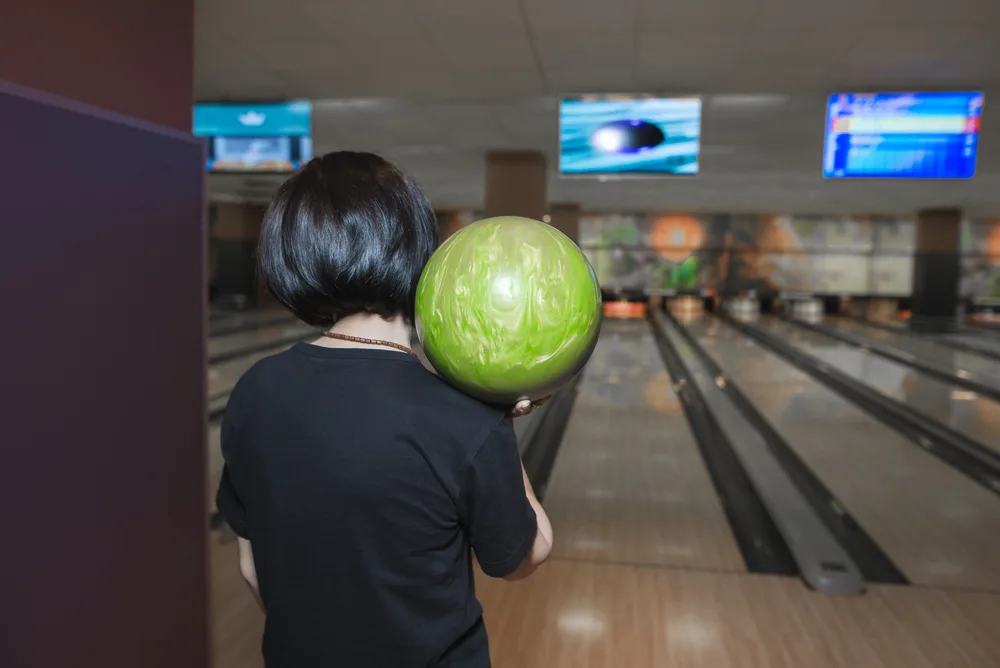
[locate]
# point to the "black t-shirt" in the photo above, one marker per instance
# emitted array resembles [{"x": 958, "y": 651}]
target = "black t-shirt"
[{"x": 362, "y": 481}]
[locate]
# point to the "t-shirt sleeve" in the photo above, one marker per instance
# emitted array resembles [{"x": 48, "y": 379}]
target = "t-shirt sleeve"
[
  {"x": 229, "y": 504},
  {"x": 501, "y": 521},
  {"x": 227, "y": 500}
]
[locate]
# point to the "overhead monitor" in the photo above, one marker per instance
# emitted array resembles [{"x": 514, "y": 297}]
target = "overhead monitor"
[
  {"x": 622, "y": 136},
  {"x": 902, "y": 135},
  {"x": 251, "y": 137}
]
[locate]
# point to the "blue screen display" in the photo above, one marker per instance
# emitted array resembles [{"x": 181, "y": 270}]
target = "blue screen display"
[
  {"x": 902, "y": 135},
  {"x": 255, "y": 137},
  {"x": 604, "y": 136}
]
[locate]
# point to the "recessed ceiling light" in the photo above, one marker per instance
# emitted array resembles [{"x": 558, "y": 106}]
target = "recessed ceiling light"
[
  {"x": 747, "y": 102},
  {"x": 225, "y": 198},
  {"x": 420, "y": 149},
  {"x": 350, "y": 104}
]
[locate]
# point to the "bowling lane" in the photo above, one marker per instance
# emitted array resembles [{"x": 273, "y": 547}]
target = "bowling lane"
[
  {"x": 225, "y": 318},
  {"x": 950, "y": 537},
  {"x": 964, "y": 411},
  {"x": 978, "y": 343},
  {"x": 982, "y": 369},
  {"x": 234, "y": 343},
  {"x": 968, "y": 337},
  {"x": 629, "y": 484},
  {"x": 215, "y": 463},
  {"x": 235, "y": 322}
]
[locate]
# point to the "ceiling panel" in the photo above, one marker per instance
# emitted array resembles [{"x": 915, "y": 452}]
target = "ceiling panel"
[
  {"x": 468, "y": 18},
  {"x": 435, "y": 84},
  {"x": 354, "y": 22},
  {"x": 595, "y": 16},
  {"x": 474, "y": 53},
  {"x": 498, "y": 84},
  {"x": 245, "y": 21},
  {"x": 680, "y": 15},
  {"x": 573, "y": 48},
  {"x": 590, "y": 79}
]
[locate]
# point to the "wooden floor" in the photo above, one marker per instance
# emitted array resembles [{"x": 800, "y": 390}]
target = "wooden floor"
[
  {"x": 214, "y": 463},
  {"x": 237, "y": 622},
  {"x": 590, "y": 615},
  {"x": 585, "y": 615},
  {"x": 646, "y": 575}
]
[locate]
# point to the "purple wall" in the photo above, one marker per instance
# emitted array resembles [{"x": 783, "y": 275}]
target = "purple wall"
[{"x": 102, "y": 422}]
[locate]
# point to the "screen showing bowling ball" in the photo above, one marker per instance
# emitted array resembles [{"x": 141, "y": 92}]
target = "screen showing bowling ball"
[
  {"x": 273, "y": 137},
  {"x": 902, "y": 135},
  {"x": 621, "y": 136}
]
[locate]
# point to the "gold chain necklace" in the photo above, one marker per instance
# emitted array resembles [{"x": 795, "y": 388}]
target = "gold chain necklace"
[{"x": 369, "y": 342}]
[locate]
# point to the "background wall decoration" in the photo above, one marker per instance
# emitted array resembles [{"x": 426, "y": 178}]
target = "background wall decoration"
[
  {"x": 981, "y": 259},
  {"x": 856, "y": 255}
]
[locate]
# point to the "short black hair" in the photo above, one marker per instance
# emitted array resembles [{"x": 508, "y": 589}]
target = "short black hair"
[{"x": 349, "y": 233}]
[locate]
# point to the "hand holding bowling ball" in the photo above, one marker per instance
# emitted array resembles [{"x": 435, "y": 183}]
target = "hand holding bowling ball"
[
  {"x": 508, "y": 310},
  {"x": 526, "y": 407}
]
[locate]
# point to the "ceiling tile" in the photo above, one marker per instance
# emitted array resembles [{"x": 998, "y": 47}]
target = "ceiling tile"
[
  {"x": 575, "y": 49},
  {"x": 434, "y": 84},
  {"x": 469, "y": 17},
  {"x": 247, "y": 20},
  {"x": 591, "y": 79},
  {"x": 354, "y": 21},
  {"x": 490, "y": 53},
  {"x": 499, "y": 84},
  {"x": 679, "y": 15},
  {"x": 581, "y": 15}
]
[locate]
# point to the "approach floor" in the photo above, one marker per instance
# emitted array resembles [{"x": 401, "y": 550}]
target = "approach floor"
[{"x": 645, "y": 570}]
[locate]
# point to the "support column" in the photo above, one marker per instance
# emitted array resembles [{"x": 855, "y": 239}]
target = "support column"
[
  {"x": 233, "y": 245},
  {"x": 516, "y": 184},
  {"x": 936, "y": 271},
  {"x": 566, "y": 219}
]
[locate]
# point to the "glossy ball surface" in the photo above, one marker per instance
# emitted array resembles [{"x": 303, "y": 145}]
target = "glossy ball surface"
[{"x": 508, "y": 308}]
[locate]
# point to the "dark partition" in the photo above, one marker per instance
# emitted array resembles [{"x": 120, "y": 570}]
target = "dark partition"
[{"x": 103, "y": 418}]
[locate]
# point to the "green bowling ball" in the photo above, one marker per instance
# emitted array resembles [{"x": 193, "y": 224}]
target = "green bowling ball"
[{"x": 507, "y": 309}]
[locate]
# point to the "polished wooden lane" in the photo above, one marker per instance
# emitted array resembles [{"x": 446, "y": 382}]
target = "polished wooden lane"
[
  {"x": 590, "y": 615},
  {"x": 938, "y": 526},
  {"x": 222, "y": 377},
  {"x": 231, "y": 343},
  {"x": 631, "y": 503},
  {"x": 968, "y": 413},
  {"x": 629, "y": 484},
  {"x": 237, "y": 622},
  {"x": 925, "y": 350},
  {"x": 214, "y": 463}
]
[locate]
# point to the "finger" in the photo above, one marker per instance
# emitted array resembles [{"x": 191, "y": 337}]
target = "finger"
[{"x": 522, "y": 408}]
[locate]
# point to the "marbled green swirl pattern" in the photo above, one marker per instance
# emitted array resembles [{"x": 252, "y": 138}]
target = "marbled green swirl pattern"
[{"x": 508, "y": 308}]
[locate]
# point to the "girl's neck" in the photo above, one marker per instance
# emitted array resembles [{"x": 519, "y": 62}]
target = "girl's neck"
[{"x": 368, "y": 326}]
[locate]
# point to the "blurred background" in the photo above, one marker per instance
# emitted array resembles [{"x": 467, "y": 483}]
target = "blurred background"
[{"x": 786, "y": 448}]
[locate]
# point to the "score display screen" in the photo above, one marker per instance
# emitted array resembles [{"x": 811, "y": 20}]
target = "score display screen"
[
  {"x": 902, "y": 135},
  {"x": 614, "y": 135},
  {"x": 255, "y": 137}
]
